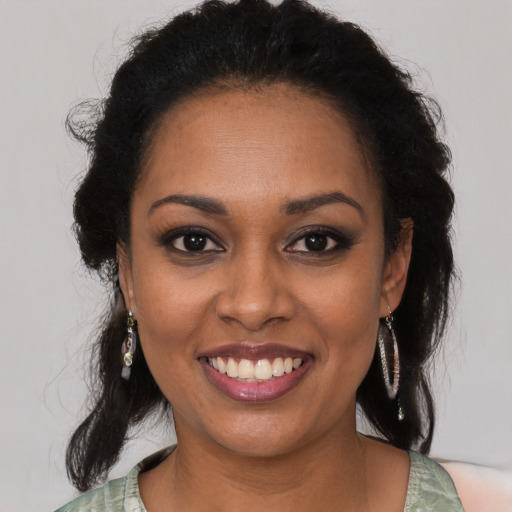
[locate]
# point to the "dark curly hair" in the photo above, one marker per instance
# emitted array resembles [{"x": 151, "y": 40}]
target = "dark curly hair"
[{"x": 244, "y": 44}]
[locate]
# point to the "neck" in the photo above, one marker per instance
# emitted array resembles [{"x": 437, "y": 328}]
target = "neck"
[{"x": 325, "y": 474}]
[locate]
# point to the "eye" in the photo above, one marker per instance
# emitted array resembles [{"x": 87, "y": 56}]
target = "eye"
[
  {"x": 190, "y": 240},
  {"x": 321, "y": 241},
  {"x": 313, "y": 242}
]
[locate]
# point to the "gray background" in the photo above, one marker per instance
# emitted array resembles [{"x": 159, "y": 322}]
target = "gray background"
[{"x": 55, "y": 52}]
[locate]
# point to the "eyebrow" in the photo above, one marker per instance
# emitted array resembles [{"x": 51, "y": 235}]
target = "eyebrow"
[
  {"x": 312, "y": 202},
  {"x": 205, "y": 204},
  {"x": 298, "y": 206}
]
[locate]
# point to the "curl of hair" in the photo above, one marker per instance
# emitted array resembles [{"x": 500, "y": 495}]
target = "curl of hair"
[{"x": 247, "y": 44}]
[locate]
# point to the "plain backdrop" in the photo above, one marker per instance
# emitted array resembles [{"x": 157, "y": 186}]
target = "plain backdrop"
[{"x": 56, "y": 52}]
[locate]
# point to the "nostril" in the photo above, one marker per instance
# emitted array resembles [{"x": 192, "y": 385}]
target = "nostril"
[
  {"x": 255, "y": 294},
  {"x": 253, "y": 315}
]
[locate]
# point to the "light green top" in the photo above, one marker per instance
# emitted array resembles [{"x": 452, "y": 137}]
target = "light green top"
[{"x": 430, "y": 489}]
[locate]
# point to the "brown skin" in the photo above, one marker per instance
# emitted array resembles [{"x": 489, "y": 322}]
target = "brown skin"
[{"x": 259, "y": 282}]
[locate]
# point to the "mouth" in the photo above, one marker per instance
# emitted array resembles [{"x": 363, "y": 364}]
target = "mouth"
[
  {"x": 261, "y": 370},
  {"x": 259, "y": 373}
]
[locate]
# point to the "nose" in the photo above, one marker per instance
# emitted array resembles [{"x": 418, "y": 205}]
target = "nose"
[{"x": 256, "y": 293}]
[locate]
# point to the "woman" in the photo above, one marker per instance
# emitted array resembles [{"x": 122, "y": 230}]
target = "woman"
[{"x": 266, "y": 195}]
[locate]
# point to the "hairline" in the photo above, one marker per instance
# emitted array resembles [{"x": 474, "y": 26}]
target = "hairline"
[{"x": 247, "y": 84}]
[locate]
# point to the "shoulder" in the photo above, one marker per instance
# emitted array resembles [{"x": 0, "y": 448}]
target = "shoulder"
[
  {"x": 481, "y": 489},
  {"x": 120, "y": 495},
  {"x": 106, "y": 498},
  {"x": 430, "y": 487}
]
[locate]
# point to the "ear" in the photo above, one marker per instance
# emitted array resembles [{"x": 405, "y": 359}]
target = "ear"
[
  {"x": 126, "y": 276},
  {"x": 396, "y": 268}
]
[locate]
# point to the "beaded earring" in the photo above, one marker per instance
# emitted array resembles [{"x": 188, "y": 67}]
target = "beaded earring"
[{"x": 128, "y": 347}]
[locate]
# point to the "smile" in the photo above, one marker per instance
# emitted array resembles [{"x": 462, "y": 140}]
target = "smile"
[
  {"x": 261, "y": 370},
  {"x": 255, "y": 373}
]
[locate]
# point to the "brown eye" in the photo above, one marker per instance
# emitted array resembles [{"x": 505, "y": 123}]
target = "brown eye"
[
  {"x": 194, "y": 241},
  {"x": 316, "y": 242},
  {"x": 321, "y": 241}
]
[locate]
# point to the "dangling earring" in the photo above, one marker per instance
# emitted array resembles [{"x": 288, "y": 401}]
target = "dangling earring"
[
  {"x": 128, "y": 347},
  {"x": 391, "y": 378}
]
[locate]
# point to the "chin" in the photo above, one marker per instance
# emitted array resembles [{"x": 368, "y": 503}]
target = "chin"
[{"x": 260, "y": 435}]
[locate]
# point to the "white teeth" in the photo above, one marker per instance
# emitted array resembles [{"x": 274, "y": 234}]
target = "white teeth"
[
  {"x": 221, "y": 364},
  {"x": 263, "y": 370},
  {"x": 278, "y": 367},
  {"x": 246, "y": 369},
  {"x": 232, "y": 368}
]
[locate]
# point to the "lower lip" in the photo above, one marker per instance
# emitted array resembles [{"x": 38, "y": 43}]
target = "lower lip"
[{"x": 255, "y": 391}]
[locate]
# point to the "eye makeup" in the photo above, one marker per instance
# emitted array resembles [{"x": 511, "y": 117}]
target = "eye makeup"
[
  {"x": 193, "y": 240},
  {"x": 320, "y": 240}
]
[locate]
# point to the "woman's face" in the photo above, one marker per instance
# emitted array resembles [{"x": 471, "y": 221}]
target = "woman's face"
[{"x": 257, "y": 249}]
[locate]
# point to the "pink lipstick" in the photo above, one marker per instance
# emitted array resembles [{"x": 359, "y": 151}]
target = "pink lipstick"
[{"x": 256, "y": 373}]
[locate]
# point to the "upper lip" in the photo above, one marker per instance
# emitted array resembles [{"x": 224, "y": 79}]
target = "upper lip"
[{"x": 254, "y": 351}]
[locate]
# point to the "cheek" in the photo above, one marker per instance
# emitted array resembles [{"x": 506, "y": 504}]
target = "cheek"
[
  {"x": 171, "y": 314},
  {"x": 345, "y": 311}
]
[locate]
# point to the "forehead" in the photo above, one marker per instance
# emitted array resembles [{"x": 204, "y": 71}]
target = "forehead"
[{"x": 254, "y": 145}]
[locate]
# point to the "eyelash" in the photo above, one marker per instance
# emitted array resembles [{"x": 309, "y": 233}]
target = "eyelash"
[
  {"x": 341, "y": 241},
  {"x": 169, "y": 238}
]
